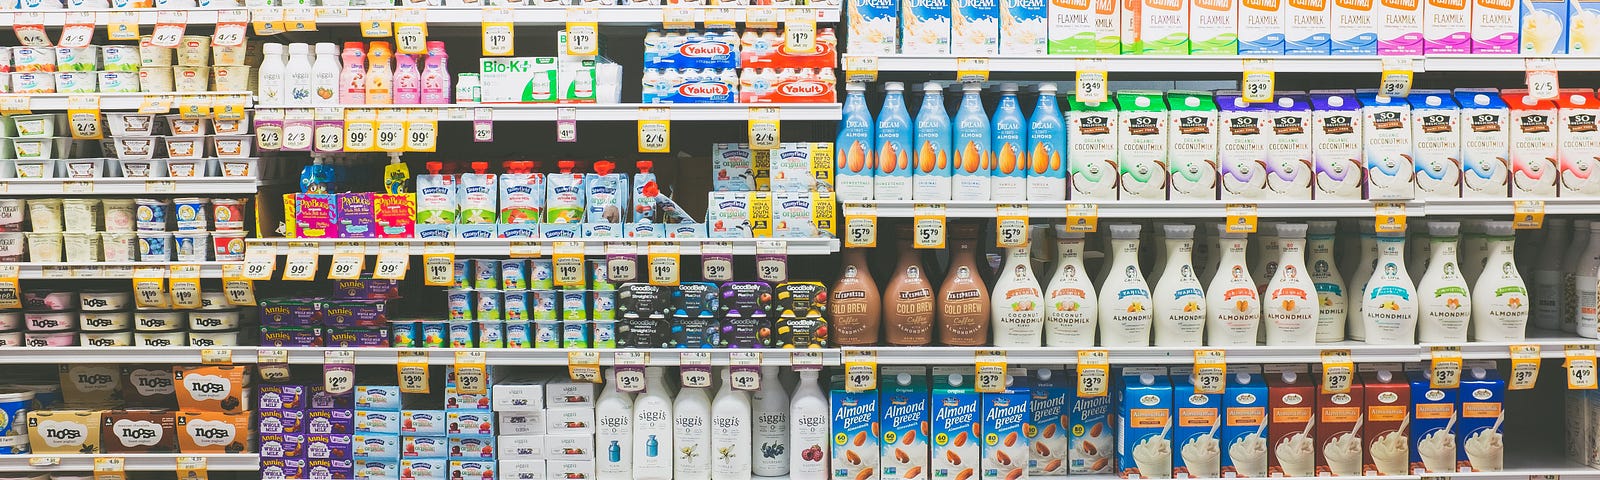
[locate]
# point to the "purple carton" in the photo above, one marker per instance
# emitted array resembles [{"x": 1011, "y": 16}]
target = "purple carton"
[
  {"x": 328, "y": 446},
  {"x": 355, "y": 313},
  {"x": 367, "y": 289},
  {"x": 281, "y": 397},
  {"x": 283, "y": 468},
  {"x": 282, "y": 445},
  {"x": 278, "y": 312},
  {"x": 357, "y": 338},
  {"x": 330, "y": 469},
  {"x": 1336, "y": 144},
  {"x": 746, "y": 321},
  {"x": 291, "y": 336},
  {"x": 281, "y": 421},
  {"x": 320, "y": 398},
  {"x": 355, "y": 215},
  {"x": 315, "y": 215},
  {"x": 1243, "y": 142},
  {"x": 330, "y": 421}
]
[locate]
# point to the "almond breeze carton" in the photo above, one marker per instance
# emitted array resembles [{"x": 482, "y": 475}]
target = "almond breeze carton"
[
  {"x": 925, "y": 27},
  {"x": 1243, "y": 442},
  {"x": 1142, "y": 145},
  {"x": 1436, "y": 143},
  {"x": 1433, "y": 426},
  {"x": 1482, "y": 400},
  {"x": 1399, "y": 27},
  {"x": 1191, "y": 145},
  {"x": 855, "y": 445},
  {"x": 1354, "y": 30},
  {"x": 1049, "y": 421},
  {"x": 1447, "y": 26},
  {"x": 1289, "y": 169},
  {"x": 902, "y": 416},
  {"x": 1199, "y": 421},
  {"x": 1161, "y": 27},
  {"x": 955, "y": 421},
  {"x": 873, "y": 27},
  {"x": 1144, "y": 428},
  {"x": 1005, "y": 419},
  {"x": 1495, "y": 25},
  {"x": 1091, "y": 434},
  {"x": 1544, "y": 27},
  {"x": 1084, "y": 27},
  {"x": 1336, "y": 144},
  {"x": 1023, "y": 30},
  {"x": 1485, "y": 144},
  {"x": 1533, "y": 145},
  {"x": 1213, "y": 27},
  {"x": 1386, "y": 143},
  {"x": 1388, "y": 406},
  {"x": 1092, "y": 148},
  {"x": 1308, "y": 31},
  {"x": 1261, "y": 27},
  {"x": 974, "y": 27},
  {"x": 1242, "y": 142},
  {"x": 1578, "y": 140}
]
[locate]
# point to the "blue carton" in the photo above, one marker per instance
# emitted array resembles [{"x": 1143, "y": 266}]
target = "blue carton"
[
  {"x": 1482, "y": 400},
  {"x": 903, "y": 417},
  {"x": 1433, "y": 438}
]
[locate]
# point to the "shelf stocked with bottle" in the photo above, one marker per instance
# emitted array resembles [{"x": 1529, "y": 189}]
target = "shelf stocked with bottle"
[{"x": 453, "y": 15}]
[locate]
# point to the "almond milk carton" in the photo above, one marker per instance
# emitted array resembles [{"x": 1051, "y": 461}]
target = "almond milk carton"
[
  {"x": 925, "y": 27},
  {"x": 1480, "y": 448},
  {"x": 1005, "y": 418},
  {"x": 1092, "y": 148},
  {"x": 1447, "y": 26},
  {"x": 1289, "y": 168},
  {"x": 1436, "y": 143},
  {"x": 1387, "y": 400},
  {"x": 1191, "y": 146},
  {"x": 1399, "y": 27},
  {"x": 1544, "y": 27},
  {"x": 1023, "y": 29},
  {"x": 1308, "y": 31},
  {"x": 1160, "y": 27},
  {"x": 903, "y": 410},
  {"x": 1144, "y": 423},
  {"x": 1213, "y": 27},
  {"x": 1386, "y": 144},
  {"x": 1261, "y": 27},
  {"x": 1292, "y": 396},
  {"x": 1583, "y": 32},
  {"x": 873, "y": 26},
  {"x": 1245, "y": 132},
  {"x": 1579, "y": 142},
  {"x": 1336, "y": 144},
  {"x": 1244, "y": 405},
  {"x": 1485, "y": 143},
  {"x": 1198, "y": 421},
  {"x": 1533, "y": 145},
  {"x": 1142, "y": 145},
  {"x": 1339, "y": 432},
  {"x": 1354, "y": 28},
  {"x": 955, "y": 422},
  {"x": 1049, "y": 421},
  {"x": 1496, "y": 24},
  {"x": 1433, "y": 426},
  {"x": 975, "y": 27}
]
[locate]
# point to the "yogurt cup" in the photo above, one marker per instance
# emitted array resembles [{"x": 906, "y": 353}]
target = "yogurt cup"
[
  {"x": 105, "y": 321},
  {"x": 11, "y": 214},
  {"x": 160, "y": 339},
  {"x": 159, "y": 320},
  {"x": 34, "y": 168},
  {"x": 214, "y": 320},
  {"x": 137, "y": 147},
  {"x": 81, "y": 214},
  {"x": 190, "y": 213},
  {"x": 227, "y": 214},
  {"x": 84, "y": 167},
  {"x": 38, "y": 125},
  {"x": 231, "y": 78},
  {"x": 77, "y": 82},
  {"x": 192, "y": 246},
  {"x": 403, "y": 334},
  {"x": 119, "y": 247},
  {"x": 14, "y": 403},
  {"x": 186, "y": 147},
  {"x": 12, "y": 246},
  {"x": 125, "y": 124},
  {"x": 33, "y": 82},
  {"x": 10, "y": 320},
  {"x": 118, "y": 82},
  {"x": 228, "y": 56},
  {"x": 155, "y": 79},
  {"x": 104, "y": 300},
  {"x": 232, "y": 127},
  {"x": 50, "y": 321},
  {"x": 187, "y": 167},
  {"x": 221, "y": 338},
  {"x": 148, "y": 168},
  {"x": 53, "y": 339},
  {"x": 106, "y": 339},
  {"x": 155, "y": 247},
  {"x": 547, "y": 334},
  {"x": 153, "y": 56},
  {"x": 193, "y": 50},
  {"x": 45, "y": 214},
  {"x": 48, "y": 300},
  {"x": 178, "y": 125},
  {"x": 150, "y": 215},
  {"x": 228, "y": 246},
  {"x": 33, "y": 59},
  {"x": 81, "y": 247},
  {"x": 77, "y": 59},
  {"x": 117, "y": 214},
  {"x": 120, "y": 58},
  {"x": 189, "y": 79},
  {"x": 214, "y": 300},
  {"x": 44, "y": 247},
  {"x": 12, "y": 339}
]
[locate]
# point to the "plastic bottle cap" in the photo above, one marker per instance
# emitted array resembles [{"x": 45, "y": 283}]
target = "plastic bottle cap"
[
  {"x": 1528, "y": 100},
  {"x": 1385, "y": 376},
  {"x": 480, "y": 167},
  {"x": 1008, "y": 87},
  {"x": 1239, "y": 103},
  {"x": 971, "y": 87},
  {"x": 604, "y": 167},
  {"x": 272, "y": 49},
  {"x": 1336, "y": 101},
  {"x": 1047, "y": 87},
  {"x": 384, "y": 46},
  {"x": 1290, "y": 377},
  {"x": 1242, "y": 377},
  {"x": 435, "y": 45},
  {"x": 1043, "y": 373},
  {"x": 955, "y": 380},
  {"x": 434, "y": 167},
  {"x": 356, "y": 46},
  {"x": 327, "y": 48},
  {"x": 932, "y": 87},
  {"x": 644, "y": 166},
  {"x": 1480, "y": 99},
  {"x": 566, "y": 165},
  {"x": 1576, "y": 99},
  {"x": 1191, "y": 102},
  {"x": 1433, "y": 101},
  {"x": 894, "y": 87},
  {"x": 903, "y": 379},
  {"x": 1141, "y": 102},
  {"x": 1478, "y": 373},
  {"x": 1285, "y": 102},
  {"x": 650, "y": 189},
  {"x": 299, "y": 48},
  {"x": 1147, "y": 379},
  {"x": 855, "y": 87}
]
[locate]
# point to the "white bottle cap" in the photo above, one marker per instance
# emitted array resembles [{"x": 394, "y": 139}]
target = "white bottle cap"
[
  {"x": 1336, "y": 101},
  {"x": 299, "y": 49},
  {"x": 1399, "y": 235},
  {"x": 1285, "y": 102},
  {"x": 1478, "y": 373},
  {"x": 894, "y": 87},
  {"x": 1290, "y": 377},
  {"x": 1499, "y": 228},
  {"x": 1047, "y": 87},
  {"x": 1242, "y": 377},
  {"x": 1178, "y": 231},
  {"x": 1010, "y": 380},
  {"x": 1061, "y": 232},
  {"x": 272, "y": 49},
  {"x": 1239, "y": 102},
  {"x": 1043, "y": 373},
  {"x": 1008, "y": 88},
  {"x": 1291, "y": 230},
  {"x": 855, "y": 87},
  {"x": 327, "y": 48},
  {"x": 1444, "y": 229},
  {"x": 1322, "y": 227},
  {"x": 1576, "y": 99},
  {"x": 1147, "y": 379},
  {"x": 1141, "y": 102},
  {"x": 971, "y": 87},
  {"x": 956, "y": 380},
  {"x": 903, "y": 378},
  {"x": 1385, "y": 376},
  {"x": 1529, "y": 100},
  {"x": 932, "y": 87},
  {"x": 1127, "y": 231},
  {"x": 1191, "y": 102}
]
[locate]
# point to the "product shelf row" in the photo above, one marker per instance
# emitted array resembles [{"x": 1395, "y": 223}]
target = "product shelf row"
[
  {"x": 1221, "y": 64},
  {"x": 90, "y": 270},
  {"x": 591, "y": 246},
  {"x": 1132, "y": 209},
  {"x": 547, "y": 112},
  {"x": 140, "y": 462},
  {"x": 442, "y": 16},
  {"x": 127, "y": 186}
]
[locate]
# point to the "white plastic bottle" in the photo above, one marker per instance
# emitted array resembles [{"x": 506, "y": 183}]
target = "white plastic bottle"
[
  {"x": 1158, "y": 264},
  {"x": 1584, "y": 279},
  {"x": 1071, "y": 308},
  {"x": 730, "y": 432},
  {"x": 1233, "y": 307},
  {"x": 769, "y": 447},
  {"x": 1390, "y": 302},
  {"x": 1125, "y": 305},
  {"x": 1547, "y": 276},
  {"x": 297, "y": 74},
  {"x": 1420, "y": 250},
  {"x": 809, "y": 425},
  {"x": 1289, "y": 307},
  {"x": 325, "y": 75},
  {"x": 1180, "y": 301},
  {"x": 652, "y": 428},
  {"x": 1444, "y": 305},
  {"x": 613, "y": 432},
  {"x": 270, "y": 86},
  {"x": 1330, "y": 285},
  {"x": 1355, "y": 321},
  {"x": 1265, "y": 267},
  {"x": 691, "y": 435},
  {"x": 1017, "y": 305},
  {"x": 1474, "y": 249},
  {"x": 1213, "y": 256},
  {"x": 1499, "y": 298},
  {"x": 1571, "y": 260}
]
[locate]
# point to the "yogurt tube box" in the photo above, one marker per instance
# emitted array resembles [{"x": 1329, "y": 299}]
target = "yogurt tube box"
[
  {"x": 1485, "y": 143},
  {"x": 1048, "y": 428},
  {"x": 1583, "y": 34},
  {"x": 855, "y": 445},
  {"x": 1578, "y": 147},
  {"x": 1142, "y": 145},
  {"x": 1446, "y": 27},
  {"x": 1191, "y": 145},
  {"x": 1289, "y": 168},
  {"x": 925, "y": 27},
  {"x": 1243, "y": 139},
  {"x": 1353, "y": 28},
  {"x": 1496, "y": 25},
  {"x": 1196, "y": 450},
  {"x": 1023, "y": 27},
  {"x": 904, "y": 397},
  {"x": 1534, "y": 145},
  {"x": 1244, "y": 403},
  {"x": 1144, "y": 415},
  {"x": 975, "y": 27},
  {"x": 1092, "y": 147},
  {"x": 1085, "y": 27},
  {"x": 1339, "y": 436},
  {"x": 1544, "y": 27},
  {"x": 1005, "y": 421},
  {"x": 1159, "y": 27},
  {"x": 1261, "y": 27},
  {"x": 1213, "y": 27},
  {"x": 1433, "y": 432},
  {"x": 731, "y": 168},
  {"x": 1088, "y": 422},
  {"x": 1292, "y": 396},
  {"x": 1436, "y": 143},
  {"x": 1482, "y": 399},
  {"x": 954, "y": 423},
  {"x": 1399, "y": 27},
  {"x": 1308, "y": 29},
  {"x": 1386, "y": 144},
  {"x": 1336, "y": 144},
  {"x": 873, "y": 26}
]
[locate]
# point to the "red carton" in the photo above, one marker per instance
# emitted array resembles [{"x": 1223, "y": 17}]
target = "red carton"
[
  {"x": 1292, "y": 396},
  {"x": 1339, "y": 444},
  {"x": 1387, "y": 399}
]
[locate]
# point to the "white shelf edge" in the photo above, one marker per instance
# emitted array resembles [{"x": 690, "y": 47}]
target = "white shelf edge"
[
  {"x": 1152, "y": 208},
  {"x": 448, "y": 16},
  {"x": 47, "y": 102},
  {"x": 1229, "y": 63},
  {"x": 87, "y": 270},
  {"x": 129, "y": 186},
  {"x": 592, "y": 246},
  {"x": 546, "y": 112},
  {"x": 144, "y": 462}
]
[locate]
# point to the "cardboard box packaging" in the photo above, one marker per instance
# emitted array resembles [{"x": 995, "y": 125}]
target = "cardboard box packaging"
[
  {"x": 1049, "y": 422},
  {"x": 1339, "y": 436},
  {"x": 1005, "y": 416},
  {"x": 1197, "y": 451},
  {"x": 1485, "y": 144},
  {"x": 854, "y": 417},
  {"x": 64, "y": 431},
  {"x": 1336, "y": 144},
  {"x": 518, "y": 79},
  {"x": 1144, "y": 412},
  {"x": 213, "y": 432},
  {"x": 1534, "y": 145},
  {"x": 955, "y": 445},
  {"x": 1292, "y": 397},
  {"x": 1433, "y": 432},
  {"x": 138, "y": 431},
  {"x": 1245, "y": 410},
  {"x": 1482, "y": 401}
]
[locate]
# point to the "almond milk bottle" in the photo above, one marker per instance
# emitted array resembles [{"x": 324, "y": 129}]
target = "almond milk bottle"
[
  {"x": 971, "y": 155},
  {"x": 1390, "y": 302},
  {"x": 1499, "y": 298},
  {"x": 892, "y": 179},
  {"x": 1125, "y": 315},
  {"x": 1445, "y": 307},
  {"x": 1355, "y": 321},
  {"x": 1289, "y": 305},
  {"x": 1233, "y": 306},
  {"x": 1572, "y": 260},
  {"x": 931, "y": 179},
  {"x": 1071, "y": 308},
  {"x": 1180, "y": 304},
  {"x": 1474, "y": 249},
  {"x": 1330, "y": 285},
  {"x": 1009, "y": 178},
  {"x": 1017, "y": 304},
  {"x": 1584, "y": 286},
  {"x": 1047, "y": 148},
  {"x": 1548, "y": 277}
]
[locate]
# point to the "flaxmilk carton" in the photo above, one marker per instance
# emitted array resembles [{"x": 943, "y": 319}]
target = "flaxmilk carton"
[
  {"x": 1191, "y": 145},
  {"x": 1436, "y": 143},
  {"x": 925, "y": 27},
  {"x": 873, "y": 26},
  {"x": 1160, "y": 27},
  {"x": 1336, "y": 144},
  {"x": 1399, "y": 27},
  {"x": 1353, "y": 28},
  {"x": 1261, "y": 27},
  {"x": 855, "y": 445},
  {"x": 1084, "y": 27},
  {"x": 1480, "y": 448},
  {"x": 975, "y": 27},
  {"x": 1386, "y": 144},
  {"x": 1307, "y": 30},
  {"x": 1289, "y": 168},
  {"x": 1533, "y": 145},
  {"x": 1092, "y": 150},
  {"x": 1578, "y": 146},
  {"x": 903, "y": 415},
  {"x": 1052, "y": 393},
  {"x": 1213, "y": 27},
  {"x": 1544, "y": 27},
  {"x": 1023, "y": 27},
  {"x": 1005, "y": 419},
  {"x": 1242, "y": 141},
  {"x": 1142, "y": 145},
  {"x": 954, "y": 425},
  {"x": 1583, "y": 30},
  {"x": 1496, "y": 25},
  {"x": 1199, "y": 419},
  {"x": 1485, "y": 143},
  {"x": 1433, "y": 426},
  {"x": 1447, "y": 26},
  {"x": 1089, "y": 426},
  {"x": 1244, "y": 441},
  {"x": 1292, "y": 396},
  {"x": 1144, "y": 428}
]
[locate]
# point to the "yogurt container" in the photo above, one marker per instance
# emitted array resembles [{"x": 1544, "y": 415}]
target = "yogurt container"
[
  {"x": 178, "y": 125},
  {"x": 45, "y": 214},
  {"x": 158, "y": 320},
  {"x": 187, "y": 167},
  {"x": 214, "y": 300},
  {"x": 136, "y": 147},
  {"x": 228, "y": 246},
  {"x": 77, "y": 82},
  {"x": 44, "y": 247},
  {"x": 186, "y": 147},
  {"x": 231, "y": 78},
  {"x": 155, "y": 247},
  {"x": 84, "y": 167},
  {"x": 124, "y": 124},
  {"x": 191, "y": 79},
  {"x": 33, "y": 59},
  {"x": 227, "y": 56},
  {"x": 190, "y": 213},
  {"x": 153, "y": 56},
  {"x": 192, "y": 246},
  {"x": 105, "y": 321},
  {"x": 232, "y": 146},
  {"x": 33, "y": 82},
  {"x": 11, "y": 339},
  {"x": 193, "y": 50},
  {"x": 103, "y": 301},
  {"x": 160, "y": 339},
  {"x": 48, "y": 300},
  {"x": 55, "y": 339},
  {"x": 81, "y": 214},
  {"x": 77, "y": 59},
  {"x": 120, "y": 58},
  {"x": 11, "y": 246},
  {"x": 10, "y": 320},
  {"x": 106, "y": 339},
  {"x": 50, "y": 321},
  {"x": 151, "y": 214},
  {"x": 221, "y": 338},
  {"x": 117, "y": 214},
  {"x": 155, "y": 79},
  {"x": 81, "y": 247},
  {"x": 118, "y": 82},
  {"x": 214, "y": 320},
  {"x": 14, "y": 403},
  {"x": 11, "y": 214},
  {"x": 148, "y": 168},
  {"x": 118, "y": 247},
  {"x": 38, "y": 125},
  {"x": 227, "y": 214}
]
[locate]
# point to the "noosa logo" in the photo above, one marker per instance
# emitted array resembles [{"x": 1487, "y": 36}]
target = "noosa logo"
[
  {"x": 137, "y": 433},
  {"x": 210, "y": 433},
  {"x": 705, "y": 49},
  {"x": 207, "y": 387},
  {"x": 703, "y": 89},
  {"x": 61, "y": 434},
  {"x": 151, "y": 383},
  {"x": 94, "y": 379},
  {"x": 803, "y": 89}
]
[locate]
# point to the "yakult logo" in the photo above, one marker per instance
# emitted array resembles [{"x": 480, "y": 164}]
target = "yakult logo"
[
  {"x": 210, "y": 433},
  {"x": 137, "y": 433},
  {"x": 705, "y": 49},
  {"x": 702, "y": 89},
  {"x": 207, "y": 387},
  {"x": 60, "y": 434},
  {"x": 803, "y": 88}
]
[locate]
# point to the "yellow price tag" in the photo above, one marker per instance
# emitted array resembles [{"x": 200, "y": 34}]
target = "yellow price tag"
[
  {"x": 184, "y": 282},
  {"x": 1011, "y": 226},
  {"x": 472, "y": 374},
  {"x": 301, "y": 262},
  {"x": 499, "y": 32},
  {"x": 584, "y": 366},
  {"x": 156, "y": 104},
  {"x": 1241, "y": 217},
  {"x": 422, "y": 130},
  {"x": 83, "y": 112},
  {"x": 677, "y": 17},
  {"x": 411, "y": 31},
  {"x": 110, "y": 468},
  {"x": 1580, "y": 367},
  {"x": 1396, "y": 78},
  {"x": 991, "y": 371},
  {"x": 1083, "y": 217},
  {"x": 1091, "y": 81},
  {"x": 439, "y": 258},
  {"x": 216, "y": 356},
  {"x": 1259, "y": 81},
  {"x": 655, "y": 130},
  {"x": 338, "y": 371},
  {"x": 1445, "y": 367},
  {"x": 300, "y": 19},
  {"x": 240, "y": 291},
  {"x": 800, "y": 31},
  {"x": 394, "y": 258},
  {"x": 860, "y": 371},
  {"x": 360, "y": 130},
  {"x": 1525, "y": 361},
  {"x": 664, "y": 264},
  {"x": 376, "y": 23},
  {"x": 194, "y": 107},
  {"x": 1542, "y": 80},
  {"x": 229, "y": 107},
  {"x": 266, "y": 21},
  {"x": 1210, "y": 371},
  {"x": 970, "y": 69},
  {"x": 412, "y": 370},
  {"x": 1390, "y": 217},
  {"x": 10, "y": 287},
  {"x": 583, "y": 32},
  {"x": 861, "y": 68},
  {"x": 1338, "y": 372},
  {"x": 150, "y": 287},
  {"x": 763, "y": 128},
  {"x": 1094, "y": 373},
  {"x": 524, "y": 249},
  {"x": 761, "y": 17},
  {"x": 567, "y": 260},
  {"x": 928, "y": 225},
  {"x": 15, "y": 105},
  {"x": 123, "y": 25},
  {"x": 1528, "y": 214},
  {"x": 193, "y": 468},
  {"x": 860, "y": 226},
  {"x": 349, "y": 259}
]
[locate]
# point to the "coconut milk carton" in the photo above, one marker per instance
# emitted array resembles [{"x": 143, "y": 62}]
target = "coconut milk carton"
[
  {"x": 1399, "y": 27},
  {"x": 903, "y": 403},
  {"x": 1354, "y": 29},
  {"x": 1436, "y": 143},
  {"x": 1213, "y": 27},
  {"x": 1433, "y": 426},
  {"x": 1482, "y": 400},
  {"x": 1447, "y": 26},
  {"x": 1243, "y": 443},
  {"x": 1336, "y": 144},
  {"x": 1088, "y": 424},
  {"x": 925, "y": 27},
  {"x": 1159, "y": 27},
  {"x": 1085, "y": 27},
  {"x": 1142, "y": 145},
  {"x": 1196, "y": 449},
  {"x": 1092, "y": 148},
  {"x": 1485, "y": 144},
  {"x": 1533, "y": 145},
  {"x": 954, "y": 423},
  {"x": 1289, "y": 169},
  {"x": 1144, "y": 430},
  {"x": 1544, "y": 27},
  {"x": 1005, "y": 421},
  {"x": 873, "y": 28},
  {"x": 1023, "y": 28},
  {"x": 975, "y": 27},
  {"x": 1386, "y": 144},
  {"x": 1191, "y": 146},
  {"x": 1307, "y": 29},
  {"x": 855, "y": 416},
  {"x": 1496, "y": 23},
  {"x": 1579, "y": 142},
  {"x": 1242, "y": 141},
  {"x": 1048, "y": 421},
  {"x": 1261, "y": 27}
]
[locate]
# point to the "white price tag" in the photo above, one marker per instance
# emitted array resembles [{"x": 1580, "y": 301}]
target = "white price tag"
[
  {"x": 349, "y": 259},
  {"x": 301, "y": 262},
  {"x": 1543, "y": 82}
]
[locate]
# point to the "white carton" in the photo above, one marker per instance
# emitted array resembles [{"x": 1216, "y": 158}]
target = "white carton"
[
  {"x": 1386, "y": 144},
  {"x": 1092, "y": 148},
  {"x": 873, "y": 26},
  {"x": 925, "y": 27},
  {"x": 1023, "y": 27},
  {"x": 1246, "y": 132},
  {"x": 1073, "y": 27},
  {"x": 1533, "y": 145},
  {"x": 1261, "y": 27},
  {"x": 1289, "y": 167},
  {"x": 1336, "y": 144},
  {"x": 1485, "y": 144},
  {"x": 518, "y": 79},
  {"x": 975, "y": 27},
  {"x": 1213, "y": 27},
  {"x": 1579, "y": 146},
  {"x": 1436, "y": 143},
  {"x": 1354, "y": 30},
  {"x": 1307, "y": 30},
  {"x": 1161, "y": 27}
]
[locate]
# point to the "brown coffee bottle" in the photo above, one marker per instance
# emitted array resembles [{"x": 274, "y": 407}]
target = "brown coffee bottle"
[
  {"x": 963, "y": 299},
  {"x": 855, "y": 304},
  {"x": 908, "y": 300}
]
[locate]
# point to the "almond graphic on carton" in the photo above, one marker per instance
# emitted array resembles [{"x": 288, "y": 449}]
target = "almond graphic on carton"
[
  {"x": 1049, "y": 431},
  {"x": 1089, "y": 448},
  {"x": 910, "y": 436},
  {"x": 1099, "y": 465},
  {"x": 1096, "y": 429},
  {"x": 1011, "y": 439},
  {"x": 1044, "y": 450},
  {"x": 852, "y": 457},
  {"x": 961, "y": 439},
  {"x": 1000, "y": 456},
  {"x": 913, "y": 472},
  {"x": 964, "y": 475},
  {"x": 861, "y": 439},
  {"x": 900, "y": 456},
  {"x": 952, "y": 457},
  {"x": 864, "y": 474},
  {"x": 1053, "y": 465},
  {"x": 1015, "y": 474}
]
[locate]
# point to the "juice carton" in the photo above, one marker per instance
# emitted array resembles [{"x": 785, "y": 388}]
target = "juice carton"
[
  {"x": 1353, "y": 28},
  {"x": 855, "y": 446},
  {"x": 1192, "y": 145},
  {"x": 1289, "y": 168},
  {"x": 1307, "y": 27},
  {"x": 396, "y": 214},
  {"x": 1433, "y": 422},
  {"x": 1092, "y": 150},
  {"x": 1339, "y": 432},
  {"x": 1047, "y": 145},
  {"x": 1533, "y": 145},
  {"x": 1482, "y": 395},
  {"x": 1485, "y": 144},
  {"x": 1009, "y": 129},
  {"x": 1199, "y": 420},
  {"x": 1049, "y": 423},
  {"x": 315, "y": 215},
  {"x": 1005, "y": 421},
  {"x": 1447, "y": 26},
  {"x": 1399, "y": 27},
  {"x": 1144, "y": 430},
  {"x": 1578, "y": 140},
  {"x": 1108, "y": 23},
  {"x": 1495, "y": 25},
  {"x": 1436, "y": 143},
  {"x": 975, "y": 27},
  {"x": 1292, "y": 397},
  {"x": 955, "y": 423},
  {"x": 873, "y": 28},
  {"x": 1160, "y": 27},
  {"x": 730, "y": 167},
  {"x": 1244, "y": 445},
  {"x": 1584, "y": 19},
  {"x": 1544, "y": 27},
  {"x": 1242, "y": 146},
  {"x": 1142, "y": 145},
  {"x": 971, "y": 156},
  {"x": 1073, "y": 27},
  {"x": 1261, "y": 27},
  {"x": 1213, "y": 27},
  {"x": 1022, "y": 27},
  {"x": 925, "y": 27},
  {"x": 903, "y": 420},
  {"x": 1090, "y": 444},
  {"x": 1336, "y": 144},
  {"x": 1386, "y": 143}
]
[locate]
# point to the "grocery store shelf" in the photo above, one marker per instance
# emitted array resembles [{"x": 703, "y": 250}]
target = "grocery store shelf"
[
  {"x": 591, "y": 246},
  {"x": 1504, "y": 206},
  {"x": 381, "y": 356},
  {"x": 1229, "y": 64},
  {"x": 127, "y": 186},
  {"x": 144, "y": 462},
  {"x": 61, "y": 270},
  {"x": 546, "y": 112},
  {"x": 1152, "y": 209},
  {"x": 457, "y": 16},
  {"x": 44, "y": 102},
  {"x": 1505, "y": 63}
]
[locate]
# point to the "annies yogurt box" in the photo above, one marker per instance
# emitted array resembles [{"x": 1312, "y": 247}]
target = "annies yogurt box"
[
  {"x": 954, "y": 425},
  {"x": 855, "y": 444},
  {"x": 903, "y": 419},
  {"x": 1005, "y": 418}
]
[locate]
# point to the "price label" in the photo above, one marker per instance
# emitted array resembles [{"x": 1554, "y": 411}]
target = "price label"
[
  {"x": 328, "y": 131},
  {"x": 410, "y": 31},
  {"x": 568, "y": 264},
  {"x": 694, "y": 369},
  {"x": 655, "y": 130},
  {"x": 77, "y": 186},
  {"x": 30, "y": 29},
  {"x": 806, "y": 361},
  {"x": 1240, "y": 217},
  {"x": 772, "y": 261},
  {"x": 360, "y": 130},
  {"x": 216, "y": 356},
  {"x": 927, "y": 225},
  {"x": 1446, "y": 367},
  {"x": 1528, "y": 214},
  {"x": 1259, "y": 81},
  {"x": 192, "y": 468},
  {"x": 123, "y": 25},
  {"x": 677, "y": 17},
  {"x": 1094, "y": 373},
  {"x": 1083, "y": 217},
  {"x": 439, "y": 258},
  {"x": 150, "y": 287},
  {"x": 109, "y": 468},
  {"x": 761, "y": 17},
  {"x": 229, "y": 107},
  {"x": 472, "y": 373},
  {"x": 1580, "y": 365},
  {"x": 716, "y": 261},
  {"x": 860, "y": 371},
  {"x": 800, "y": 31},
  {"x": 301, "y": 262},
  {"x": 583, "y": 32},
  {"x": 1543, "y": 82},
  {"x": 170, "y": 25},
  {"x": 622, "y": 262},
  {"x": 267, "y": 21},
  {"x": 391, "y": 132},
  {"x": 184, "y": 283},
  {"x": 583, "y": 366},
  {"x": 763, "y": 128},
  {"x": 1524, "y": 367},
  {"x": 349, "y": 259},
  {"x": 78, "y": 31},
  {"x": 483, "y": 124},
  {"x": 393, "y": 261},
  {"x": 422, "y": 131},
  {"x": 1011, "y": 226},
  {"x": 41, "y": 462},
  {"x": 239, "y": 290},
  {"x": 83, "y": 111},
  {"x": 376, "y": 23},
  {"x": 861, "y": 68},
  {"x": 15, "y": 104},
  {"x": 664, "y": 264},
  {"x": 230, "y": 30},
  {"x": 720, "y": 19},
  {"x": 339, "y": 371},
  {"x": 297, "y": 132},
  {"x": 412, "y": 370},
  {"x": 1338, "y": 372},
  {"x": 300, "y": 19},
  {"x": 566, "y": 125},
  {"x": 1091, "y": 80},
  {"x": 860, "y": 226},
  {"x": 630, "y": 371},
  {"x": 1210, "y": 371},
  {"x": 1396, "y": 78},
  {"x": 744, "y": 370},
  {"x": 10, "y": 287},
  {"x": 524, "y": 249},
  {"x": 1391, "y": 216},
  {"x": 971, "y": 69},
  {"x": 991, "y": 371}
]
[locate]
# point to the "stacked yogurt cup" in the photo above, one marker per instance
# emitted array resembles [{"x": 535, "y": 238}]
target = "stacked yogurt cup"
[
  {"x": 119, "y": 230},
  {"x": 194, "y": 65}
]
